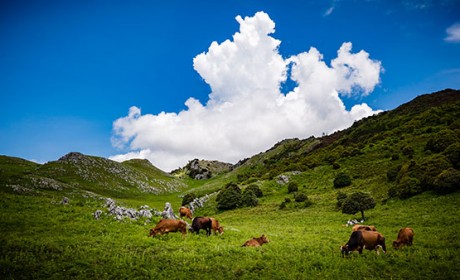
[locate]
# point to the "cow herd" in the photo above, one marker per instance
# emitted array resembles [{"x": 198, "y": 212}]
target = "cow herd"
[
  {"x": 362, "y": 236},
  {"x": 367, "y": 237}
]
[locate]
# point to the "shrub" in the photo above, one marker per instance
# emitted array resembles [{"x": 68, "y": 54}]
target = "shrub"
[
  {"x": 358, "y": 202},
  {"x": 392, "y": 173},
  {"x": 441, "y": 140},
  {"x": 341, "y": 199},
  {"x": 447, "y": 182},
  {"x": 342, "y": 180},
  {"x": 407, "y": 187},
  {"x": 292, "y": 187},
  {"x": 335, "y": 165},
  {"x": 257, "y": 191},
  {"x": 452, "y": 153},
  {"x": 300, "y": 197},
  {"x": 432, "y": 167},
  {"x": 249, "y": 198},
  {"x": 282, "y": 205},
  {"x": 229, "y": 197},
  {"x": 408, "y": 151},
  {"x": 188, "y": 198}
]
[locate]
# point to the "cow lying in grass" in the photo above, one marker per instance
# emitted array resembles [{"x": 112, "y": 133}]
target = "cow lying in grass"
[
  {"x": 359, "y": 240},
  {"x": 256, "y": 242},
  {"x": 166, "y": 226}
]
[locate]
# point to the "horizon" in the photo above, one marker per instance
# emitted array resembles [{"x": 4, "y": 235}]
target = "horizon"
[{"x": 175, "y": 81}]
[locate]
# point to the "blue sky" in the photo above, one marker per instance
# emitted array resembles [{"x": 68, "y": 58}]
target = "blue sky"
[{"x": 71, "y": 69}]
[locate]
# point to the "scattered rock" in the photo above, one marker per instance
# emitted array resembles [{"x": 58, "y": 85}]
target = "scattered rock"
[
  {"x": 97, "y": 214},
  {"x": 65, "y": 200},
  {"x": 282, "y": 179}
]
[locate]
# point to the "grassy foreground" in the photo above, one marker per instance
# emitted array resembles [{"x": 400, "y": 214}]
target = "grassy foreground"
[{"x": 42, "y": 238}]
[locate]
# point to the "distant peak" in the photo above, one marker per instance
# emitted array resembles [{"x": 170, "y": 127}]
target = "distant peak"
[{"x": 72, "y": 156}]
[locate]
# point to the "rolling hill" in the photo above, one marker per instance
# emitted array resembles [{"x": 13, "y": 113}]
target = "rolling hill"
[{"x": 407, "y": 159}]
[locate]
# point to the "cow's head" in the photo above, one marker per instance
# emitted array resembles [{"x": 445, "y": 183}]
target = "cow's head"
[
  {"x": 396, "y": 244},
  {"x": 152, "y": 232},
  {"x": 344, "y": 250},
  {"x": 264, "y": 239},
  {"x": 220, "y": 230}
]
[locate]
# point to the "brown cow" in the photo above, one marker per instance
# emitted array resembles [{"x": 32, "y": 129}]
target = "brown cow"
[
  {"x": 165, "y": 226},
  {"x": 256, "y": 242},
  {"x": 363, "y": 227},
  {"x": 215, "y": 225},
  {"x": 185, "y": 212},
  {"x": 405, "y": 237},
  {"x": 199, "y": 223},
  {"x": 360, "y": 240}
]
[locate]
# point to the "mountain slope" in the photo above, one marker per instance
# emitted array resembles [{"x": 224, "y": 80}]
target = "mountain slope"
[
  {"x": 367, "y": 151},
  {"x": 95, "y": 174}
]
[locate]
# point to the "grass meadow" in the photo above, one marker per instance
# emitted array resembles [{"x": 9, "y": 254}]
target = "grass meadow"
[{"x": 44, "y": 239}]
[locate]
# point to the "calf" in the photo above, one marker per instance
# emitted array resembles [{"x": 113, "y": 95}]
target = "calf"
[
  {"x": 166, "y": 226},
  {"x": 215, "y": 225},
  {"x": 256, "y": 242},
  {"x": 199, "y": 223},
  {"x": 360, "y": 240},
  {"x": 363, "y": 227},
  {"x": 185, "y": 212},
  {"x": 405, "y": 237}
]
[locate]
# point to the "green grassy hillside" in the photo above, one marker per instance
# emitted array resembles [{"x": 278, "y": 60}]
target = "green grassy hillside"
[{"x": 400, "y": 158}]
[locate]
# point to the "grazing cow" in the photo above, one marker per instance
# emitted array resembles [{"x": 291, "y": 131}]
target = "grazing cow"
[
  {"x": 215, "y": 225},
  {"x": 363, "y": 227},
  {"x": 256, "y": 242},
  {"x": 199, "y": 223},
  {"x": 185, "y": 212},
  {"x": 360, "y": 240},
  {"x": 165, "y": 226},
  {"x": 405, "y": 237}
]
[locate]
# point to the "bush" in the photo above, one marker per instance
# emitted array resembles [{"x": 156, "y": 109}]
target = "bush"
[
  {"x": 341, "y": 199},
  {"x": 432, "y": 167},
  {"x": 342, "y": 180},
  {"x": 188, "y": 198},
  {"x": 335, "y": 165},
  {"x": 407, "y": 187},
  {"x": 447, "y": 182},
  {"x": 408, "y": 151},
  {"x": 392, "y": 173},
  {"x": 300, "y": 197},
  {"x": 229, "y": 197},
  {"x": 282, "y": 205},
  {"x": 441, "y": 140},
  {"x": 249, "y": 198},
  {"x": 257, "y": 191},
  {"x": 292, "y": 187},
  {"x": 452, "y": 153}
]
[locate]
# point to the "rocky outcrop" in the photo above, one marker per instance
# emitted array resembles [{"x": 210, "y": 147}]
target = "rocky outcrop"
[{"x": 203, "y": 169}]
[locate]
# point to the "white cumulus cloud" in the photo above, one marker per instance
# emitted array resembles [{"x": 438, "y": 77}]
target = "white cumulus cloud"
[
  {"x": 453, "y": 33},
  {"x": 246, "y": 112}
]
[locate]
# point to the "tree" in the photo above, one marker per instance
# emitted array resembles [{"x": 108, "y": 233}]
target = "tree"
[{"x": 358, "y": 202}]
